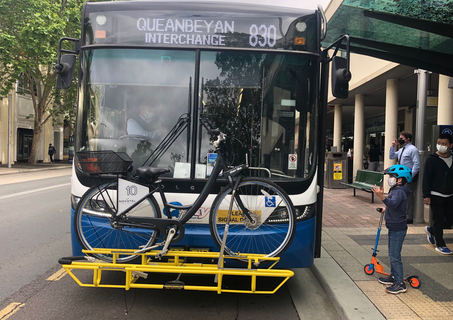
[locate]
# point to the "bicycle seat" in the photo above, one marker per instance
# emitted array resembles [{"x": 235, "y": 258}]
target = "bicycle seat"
[{"x": 151, "y": 172}]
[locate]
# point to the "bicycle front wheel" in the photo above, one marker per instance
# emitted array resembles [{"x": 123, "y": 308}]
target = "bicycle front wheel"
[
  {"x": 92, "y": 223},
  {"x": 273, "y": 222}
]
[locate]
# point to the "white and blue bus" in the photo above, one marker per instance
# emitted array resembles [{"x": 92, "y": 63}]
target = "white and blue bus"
[{"x": 149, "y": 70}]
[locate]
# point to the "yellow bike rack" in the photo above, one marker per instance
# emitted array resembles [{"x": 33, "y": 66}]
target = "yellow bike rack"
[{"x": 177, "y": 264}]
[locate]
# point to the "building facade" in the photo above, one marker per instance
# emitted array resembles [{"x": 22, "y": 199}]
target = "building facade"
[{"x": 16, "y": 131}]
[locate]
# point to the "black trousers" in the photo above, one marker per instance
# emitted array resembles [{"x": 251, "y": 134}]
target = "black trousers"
[
  {"x": 410, "y": 201},
  {"x": 442, "y": 217}
]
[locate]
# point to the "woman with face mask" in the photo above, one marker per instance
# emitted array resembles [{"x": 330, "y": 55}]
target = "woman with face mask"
[{"x": 438, "y": 191}]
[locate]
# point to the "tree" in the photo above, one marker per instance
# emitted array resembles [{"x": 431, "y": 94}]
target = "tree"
[
  {"x": 29, "y": 35},
  {"x": 233, "y": 101}
]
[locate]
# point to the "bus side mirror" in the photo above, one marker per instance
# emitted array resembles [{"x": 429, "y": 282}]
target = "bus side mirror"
[
  {"x": 340, "y": 77},
  {"x": 65, "y": 71}
]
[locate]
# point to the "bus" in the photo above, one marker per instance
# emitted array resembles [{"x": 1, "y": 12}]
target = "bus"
[{"x": 149, "y": 70}]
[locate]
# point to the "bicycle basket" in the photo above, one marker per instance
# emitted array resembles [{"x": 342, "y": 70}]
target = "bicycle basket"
[{"x": 98, "y": 162}]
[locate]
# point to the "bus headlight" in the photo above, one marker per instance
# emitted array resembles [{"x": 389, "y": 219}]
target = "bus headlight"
[
  {"x": 304, "y": 212},
  {"x": 281, "y": 214},
  {"x": 74, "y": 201}
]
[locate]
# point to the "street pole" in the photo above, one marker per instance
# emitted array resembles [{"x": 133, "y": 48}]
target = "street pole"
[
  {"x": 10, "y": 129},
  {"x": 422, "y": 87}
]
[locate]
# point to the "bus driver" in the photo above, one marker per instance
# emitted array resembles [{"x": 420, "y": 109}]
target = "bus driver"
[{"x": 139, "y": 119}]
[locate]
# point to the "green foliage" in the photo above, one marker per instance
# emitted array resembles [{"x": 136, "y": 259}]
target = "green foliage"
[
  {"x": 175, "y": 157},
  {"x": 29, "y": 34},
  {"x": 143, "y": 151},
  {"x": 233, "y": 109}
]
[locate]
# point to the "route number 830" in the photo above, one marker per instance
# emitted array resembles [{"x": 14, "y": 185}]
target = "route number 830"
[{"x": 263, "y": 35}]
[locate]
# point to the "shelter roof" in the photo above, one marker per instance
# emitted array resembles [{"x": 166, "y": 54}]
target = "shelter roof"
[{"x": 416, "y": 33}]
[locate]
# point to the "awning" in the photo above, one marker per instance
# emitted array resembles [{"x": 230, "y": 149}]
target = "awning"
[{"x": 416, "y": 33}]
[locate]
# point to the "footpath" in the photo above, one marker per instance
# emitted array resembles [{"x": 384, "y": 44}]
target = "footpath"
[
  {"x": 349, "y": 234},
  {"x": 25, "y": 167}
]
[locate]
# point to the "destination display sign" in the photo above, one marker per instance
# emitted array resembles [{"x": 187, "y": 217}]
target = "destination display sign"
[
  {"x": 202, "y": 32},
  {"x": 152, "y": 28}
]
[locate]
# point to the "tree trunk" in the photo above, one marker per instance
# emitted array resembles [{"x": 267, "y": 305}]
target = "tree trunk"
[{"x": 36, "y": 142}]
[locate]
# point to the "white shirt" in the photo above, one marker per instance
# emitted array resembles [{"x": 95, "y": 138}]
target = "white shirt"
[{"x": 134, "y": 128}]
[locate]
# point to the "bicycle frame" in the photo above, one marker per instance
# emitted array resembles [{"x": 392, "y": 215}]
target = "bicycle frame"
[{"x": 162, "y": 223}]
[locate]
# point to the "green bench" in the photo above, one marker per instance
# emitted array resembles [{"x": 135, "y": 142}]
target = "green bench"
[{"x": 365, "y": 180}]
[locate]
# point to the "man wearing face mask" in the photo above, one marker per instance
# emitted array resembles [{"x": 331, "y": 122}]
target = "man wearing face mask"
[
  {"x": 140, "y": 120},
  {"x": 438, "y": 191},
  {"x": 407, "y": 156}
]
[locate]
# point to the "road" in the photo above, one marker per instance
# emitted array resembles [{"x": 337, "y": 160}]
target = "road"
[
  {"x": 34, "y": 230},
  {"x": 34, "y": 234}
]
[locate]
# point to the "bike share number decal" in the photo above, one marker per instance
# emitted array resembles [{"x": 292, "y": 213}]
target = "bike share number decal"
[{"x": 129, "y": 193}]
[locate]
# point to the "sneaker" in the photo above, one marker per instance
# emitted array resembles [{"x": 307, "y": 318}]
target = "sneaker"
[
  {"x": 388, "y": 280},
  {"x": 443, "y": 250},
  {"x": 429, "y": 236},
  {"x": 396, "y": 288}
]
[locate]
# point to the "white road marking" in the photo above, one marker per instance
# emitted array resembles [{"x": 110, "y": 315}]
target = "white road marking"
[{"x": 33, "y": 191}]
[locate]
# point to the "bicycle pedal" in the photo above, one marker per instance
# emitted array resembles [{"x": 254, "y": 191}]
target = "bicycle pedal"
[{"x": 161, "y": 254}]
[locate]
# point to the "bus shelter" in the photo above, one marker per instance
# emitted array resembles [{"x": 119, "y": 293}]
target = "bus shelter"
[{"x": 414, "y": 33}]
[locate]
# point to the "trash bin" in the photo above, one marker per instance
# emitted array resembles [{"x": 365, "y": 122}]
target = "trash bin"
[{"x": 336, "y": 170}]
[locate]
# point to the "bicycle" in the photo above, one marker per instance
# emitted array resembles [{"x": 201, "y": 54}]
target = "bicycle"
[{"x": 260, "y": 219}]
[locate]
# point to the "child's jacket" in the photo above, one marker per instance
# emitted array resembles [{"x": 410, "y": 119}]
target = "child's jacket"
[{"x": 395, "y": 211}]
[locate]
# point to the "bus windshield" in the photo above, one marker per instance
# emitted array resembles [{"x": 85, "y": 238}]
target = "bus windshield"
[{"x": 130, "y": 100}]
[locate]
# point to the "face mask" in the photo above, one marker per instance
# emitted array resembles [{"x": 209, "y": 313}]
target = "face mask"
[
  {"x": 442, "y": 149},
  {"x": 401, "y": 141},
  {"x": 392, "y": 182},
  {"x": 148, "y": 115}
]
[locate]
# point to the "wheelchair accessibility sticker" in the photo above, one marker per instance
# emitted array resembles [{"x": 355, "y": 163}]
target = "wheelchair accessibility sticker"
[{"x": 270, "y": 202}]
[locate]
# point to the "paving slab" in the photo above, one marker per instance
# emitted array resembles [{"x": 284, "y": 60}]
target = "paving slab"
[{"x": 434, "y": 298}]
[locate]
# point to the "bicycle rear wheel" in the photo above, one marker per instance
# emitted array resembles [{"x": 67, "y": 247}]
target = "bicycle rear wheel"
[
  {"x": 275, "y": 220},
  {"x": 94, "y": 231}
]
